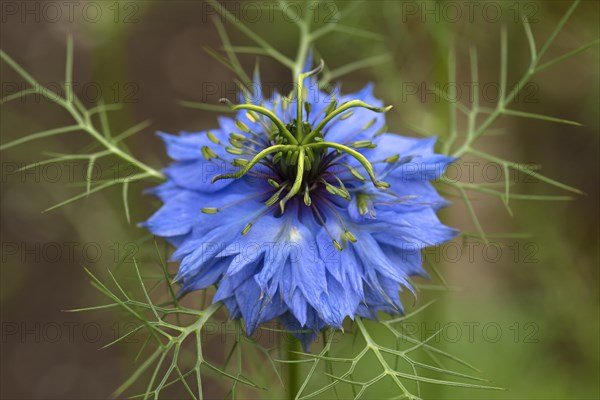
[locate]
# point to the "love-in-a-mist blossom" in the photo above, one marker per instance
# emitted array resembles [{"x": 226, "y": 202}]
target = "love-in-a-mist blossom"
[{"x": 308, "y": 211}]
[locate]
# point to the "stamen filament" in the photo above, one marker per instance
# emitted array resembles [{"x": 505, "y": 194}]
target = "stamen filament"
[
  {"x": 275, "y": 197},
  {"x": 251, "y": 223},
  {"x": 347, "y": 233},
  {"x": 359, "y": 157},
  {"x": 307, "y": 199},
  {"x": 214, "y": 210},
  {"x": 353, "y": 171},
  {"x": 335, "y": 242}
]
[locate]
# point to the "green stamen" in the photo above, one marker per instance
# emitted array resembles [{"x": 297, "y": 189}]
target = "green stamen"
[
  {"x": 392, "y": 159},
  {"x": 369, "y": 124},
  {"x": 242, "y": 126},
  {"x": 350, "y": 236},
  {"x": 275, "y": 197},
  {"x": 235, "y": 151},
  {"x": 240, "y": 162},
  {"x": 237, "y": 136},
  {"x": 208, "y": 153},
  {"x": 235, "y": 143},
  {"x": 361, "y": 201},
  {"x": 273, "y": 183},
  {"x": 347, "y": 115},
  {"x": 212, "y": 138},
  {"x": 363, "y": 144},
  {"x": 307, "y": 199},
  {"x": 359, "y": 157},
  {"x": 251, "y": 117},
  {"x": 336, "y": 191},
  {"x": 247, "y": 228},
  {"x": 355, "y": 172}
]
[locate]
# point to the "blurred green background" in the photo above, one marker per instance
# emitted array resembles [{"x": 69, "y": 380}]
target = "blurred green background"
[{"x": 528, "y": 317}]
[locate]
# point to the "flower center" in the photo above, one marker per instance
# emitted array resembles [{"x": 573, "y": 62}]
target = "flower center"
[{"x": 298, "y": 155}]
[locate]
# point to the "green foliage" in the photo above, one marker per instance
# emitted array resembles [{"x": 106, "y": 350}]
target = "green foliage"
[
  {"x": 477, "y": 130},
  {"x": 91, "y": 121}
]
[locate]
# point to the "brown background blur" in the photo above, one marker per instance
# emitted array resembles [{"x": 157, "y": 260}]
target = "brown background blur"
[{"x": 149, "y": 54}]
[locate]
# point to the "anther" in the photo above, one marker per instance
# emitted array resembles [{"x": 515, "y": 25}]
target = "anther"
[
  {"x": 336, "y": 191},
  {"x": 275, "y": 197},
  {"x": 332, "y": 106},
  {"x": 363, "y": 144},
  {"x": 208, "y": 153},
  {"x": 354, "y": 172},
  {"x": 240, "y": 162},
  {"x": 273, "y": 183},
  {"x": 249, "y": 225},
  {"x": 320, "y": 218},
  {"x": 257, "y": 158},
  {"x": 350, "y": 236},
  {"x": 346, "y": 116},
  {"x": 251, "y": 117},
  {"x": 361, "y": 201},
  {"x": 263, "y": 111},
  {"x": 307, "y": 199},
  {"x": 347, "y": 233},
  {"x": 277, "y": 157},
  {"x": 381, "y": 131},
  {"x": 237, "y": 136},
  {"x": 369, "y": 124},
  {"x": 235, "y": 143},
  {"x": 307, "y": 163},
  {"x": 242, "y": 126},
  {"x": 392, "y": 159},
  {"x": 247, "y": 229},
  {"x": 307, "y": 108},
  {"x": 337, "y": 245},
  {"x": 235, "y": 151},
  {"x": 340, "y": 110},
  {"x": 213, "y": 138}
]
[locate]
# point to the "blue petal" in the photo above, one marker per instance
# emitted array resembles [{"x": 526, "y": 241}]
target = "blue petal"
[
  {"x": 176, "y": 216},
  {"x": 198, "y": 175},
  {"x": 254, "y": 310}
]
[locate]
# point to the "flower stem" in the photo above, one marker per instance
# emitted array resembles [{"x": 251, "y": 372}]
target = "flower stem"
[{"x": 293, "y": 367}]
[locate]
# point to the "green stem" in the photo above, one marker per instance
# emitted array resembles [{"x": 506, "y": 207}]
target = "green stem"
[
  {"x": 303, "y": 46},
  {"x": 293, "y": 367}
]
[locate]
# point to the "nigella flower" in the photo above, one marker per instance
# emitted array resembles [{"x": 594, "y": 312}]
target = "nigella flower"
[{"x": 302, "y": 209}]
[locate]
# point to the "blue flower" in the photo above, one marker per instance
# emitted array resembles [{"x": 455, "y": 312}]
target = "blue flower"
[{"x": 307, "y": 222}]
